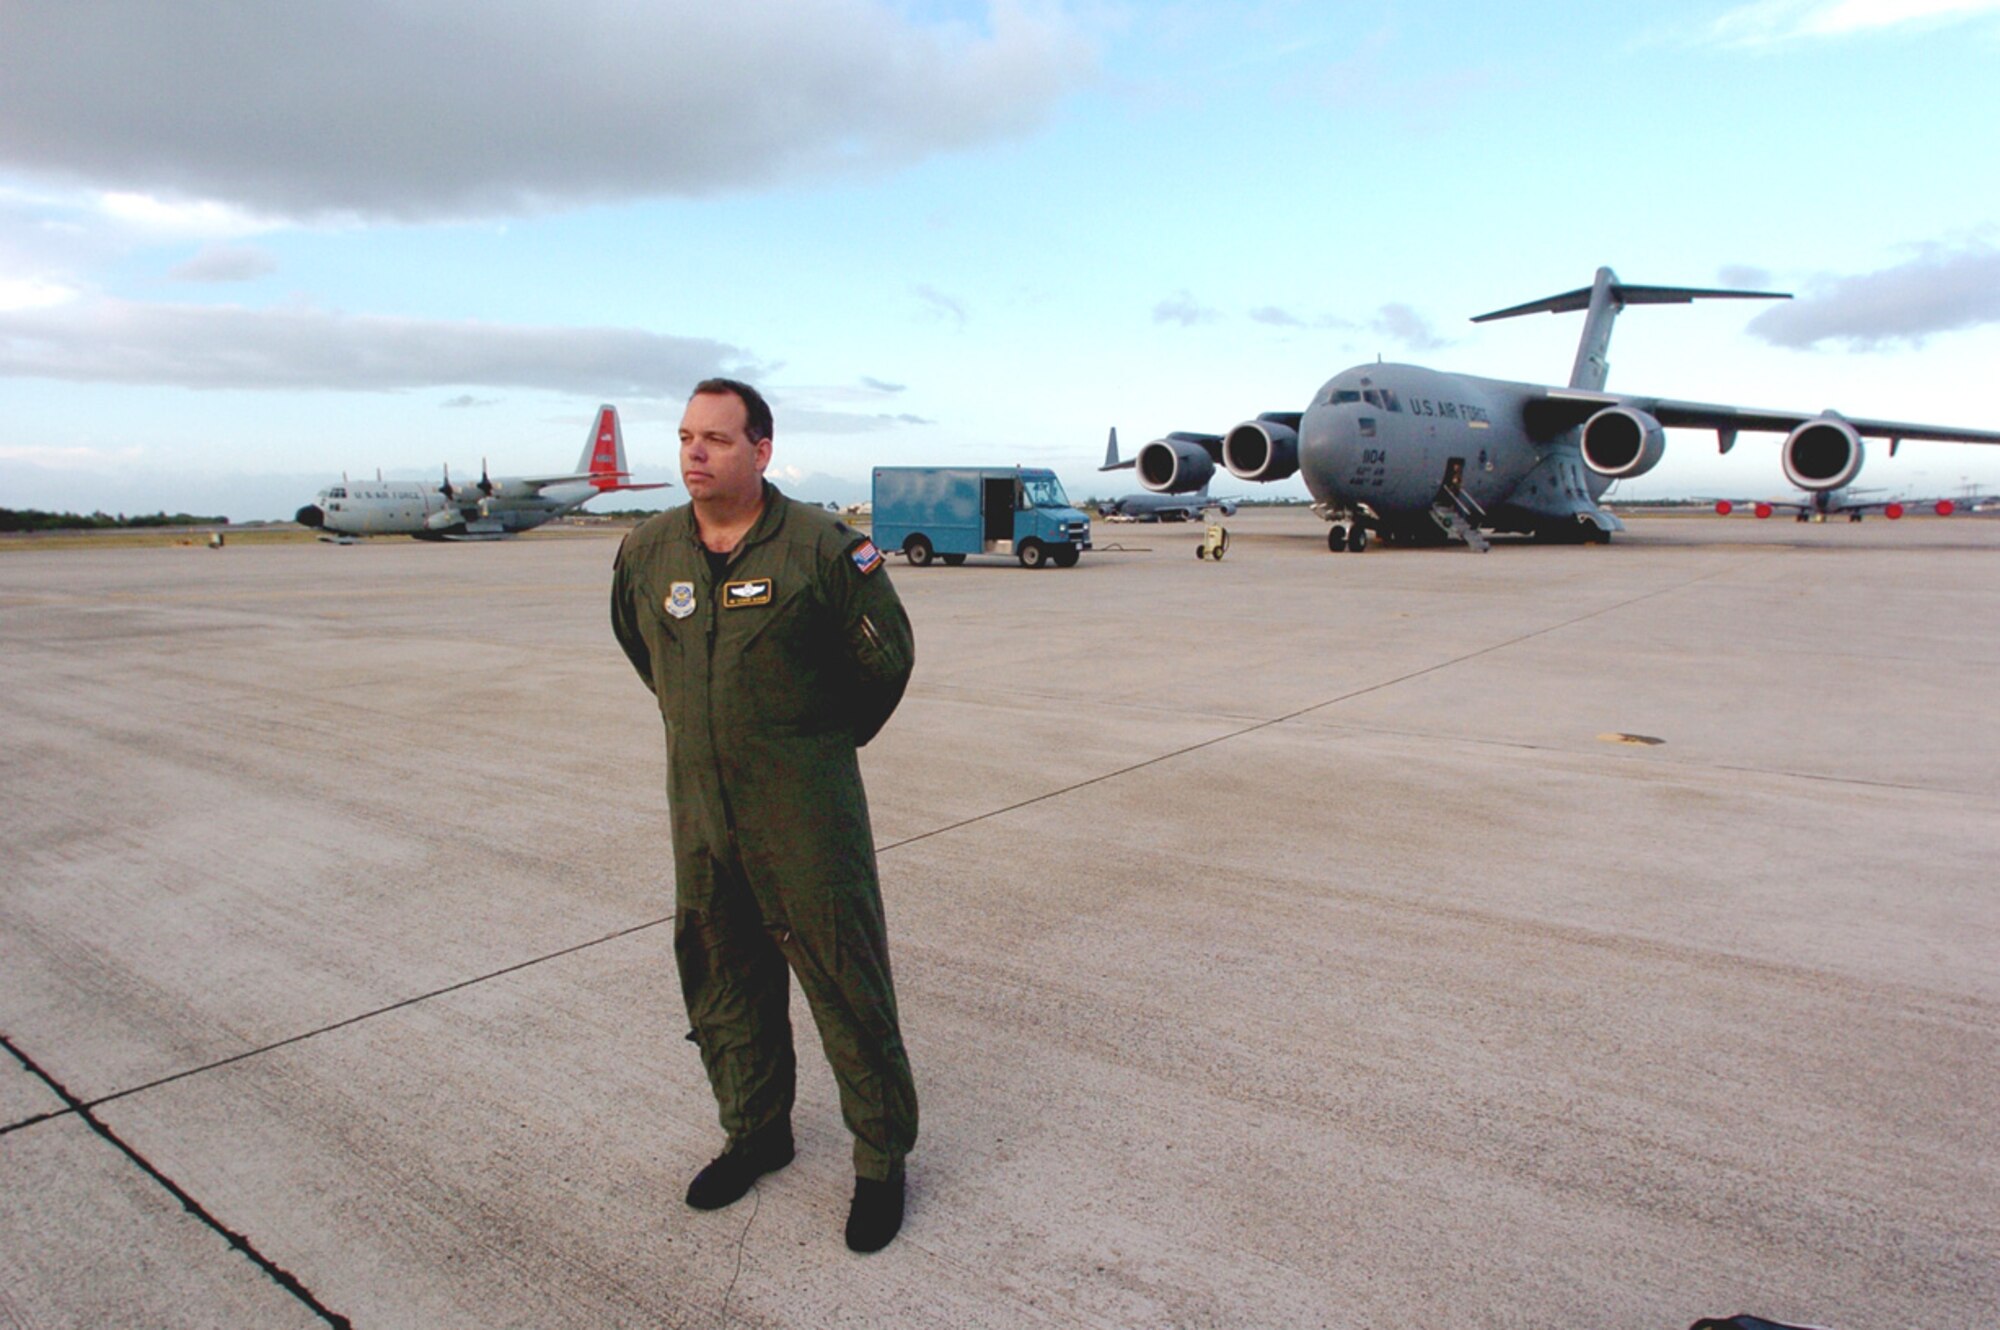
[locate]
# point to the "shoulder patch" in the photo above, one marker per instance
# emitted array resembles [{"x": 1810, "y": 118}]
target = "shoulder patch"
[{"x": 866, "y": 557}]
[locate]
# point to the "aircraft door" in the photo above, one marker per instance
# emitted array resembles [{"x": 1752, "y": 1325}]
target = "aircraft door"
[{"x": 1454, "y": 475}]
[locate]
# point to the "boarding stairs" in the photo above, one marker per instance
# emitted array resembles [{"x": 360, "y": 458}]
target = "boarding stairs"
[{"x": 1458, "y": 515}]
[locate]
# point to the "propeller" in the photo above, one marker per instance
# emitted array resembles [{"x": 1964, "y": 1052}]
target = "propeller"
[
  {"x": 446, "y": 489},
  {"x": 485, "y": 483}
]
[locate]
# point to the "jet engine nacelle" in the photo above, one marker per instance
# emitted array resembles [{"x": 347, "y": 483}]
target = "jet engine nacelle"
[
  {"x": 1174, "y": 465},
  {"x": 1620, "y": 442},
  {"x": 1261, "y": 450},
  {"x": 1822, "y": 454}
]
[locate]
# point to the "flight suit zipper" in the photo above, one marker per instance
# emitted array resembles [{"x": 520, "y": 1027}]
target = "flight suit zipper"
[{"x": 714, "y": 613}]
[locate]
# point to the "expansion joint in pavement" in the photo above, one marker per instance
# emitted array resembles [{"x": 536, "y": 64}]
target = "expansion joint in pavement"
[
  {"x": 1321, "y": 705},
  {"x": 284, "y": 1278}
]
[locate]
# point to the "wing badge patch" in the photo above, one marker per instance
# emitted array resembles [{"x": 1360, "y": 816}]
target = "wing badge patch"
[{"x": 736, "y": 595}]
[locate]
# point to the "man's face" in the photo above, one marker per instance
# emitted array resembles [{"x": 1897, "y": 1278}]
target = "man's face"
[{"x": 718, "y": 460}]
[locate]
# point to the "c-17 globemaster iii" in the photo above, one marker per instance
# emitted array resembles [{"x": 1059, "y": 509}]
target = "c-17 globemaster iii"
[
  {"x": 1418, "y": 454},
  {"x": 490, "y": 508}
]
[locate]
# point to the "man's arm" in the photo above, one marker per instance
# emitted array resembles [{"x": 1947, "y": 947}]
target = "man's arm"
[
  {"x": 880, "y": 646},
  {"x": 625, "y": 619}
]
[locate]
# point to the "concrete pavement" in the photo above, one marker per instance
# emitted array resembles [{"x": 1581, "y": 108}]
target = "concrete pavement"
[{"x": 1287, "y": 941}]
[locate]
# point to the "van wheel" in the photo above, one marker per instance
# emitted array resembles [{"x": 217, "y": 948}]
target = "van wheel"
[
  {"x": 1067, "y": 555},
  {"x": 918, "y": 551},
  {"x": 1032, "y": 554},
  {"x": 952, "y": 560}
]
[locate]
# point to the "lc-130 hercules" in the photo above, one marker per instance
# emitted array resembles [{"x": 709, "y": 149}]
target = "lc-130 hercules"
[
  {"x": 1410, "y": 453},
  {"x": 491, "y": 508}
]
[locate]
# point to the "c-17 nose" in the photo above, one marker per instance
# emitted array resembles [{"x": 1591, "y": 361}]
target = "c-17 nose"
[{"x": 310, "y": 515}]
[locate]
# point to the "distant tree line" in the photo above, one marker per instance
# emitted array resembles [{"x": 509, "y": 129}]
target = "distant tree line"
[{"x": 31, "y": 519}]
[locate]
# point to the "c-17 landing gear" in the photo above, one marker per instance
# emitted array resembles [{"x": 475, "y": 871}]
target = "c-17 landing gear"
[{"x": 1336, "y": 538}]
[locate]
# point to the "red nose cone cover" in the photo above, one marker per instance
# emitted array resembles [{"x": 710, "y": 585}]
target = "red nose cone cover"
[
  {"x": 1724, "y": 507},
  {"x": 1763, "y": 510},
  {"x": 1893, "y": 511},
  {"x": 1945, "y": 508}
]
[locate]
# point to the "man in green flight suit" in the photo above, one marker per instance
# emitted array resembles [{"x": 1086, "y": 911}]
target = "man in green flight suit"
[{"x": 771, "y": 637}]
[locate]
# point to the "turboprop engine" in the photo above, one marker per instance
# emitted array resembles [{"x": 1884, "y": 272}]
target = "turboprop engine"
[
  {"x": 1621, "y": 442},
  {"x": 1175, "y": 465},
  {"x": 1261, "y": 449},
  {"x": 1822, "y": 454}
]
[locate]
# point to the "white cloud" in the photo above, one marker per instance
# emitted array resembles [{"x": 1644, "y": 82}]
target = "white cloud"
[
  {"x": 1405, "y": 325},
  {"x": 1940, "y": 290},
  {"x": 19, "y": 293},
  {"x": 939, "y": 304},
  {"x": 1769, "y": 22},
  {"x": 1182, "y": 308},
  {"x": 166, "y": 218},
  {"x": 199, "y": 346},
  {"x": 226, "y": 263},
  {"x": 421, "y": 109},
  {"x": 80, "y": 458}
]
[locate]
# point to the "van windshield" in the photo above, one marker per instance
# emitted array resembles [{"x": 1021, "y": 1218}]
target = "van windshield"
[{"x": 1045, "y": 492}]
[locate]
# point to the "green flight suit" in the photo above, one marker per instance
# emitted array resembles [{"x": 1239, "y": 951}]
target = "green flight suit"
[{"x": 769, "y": 677}]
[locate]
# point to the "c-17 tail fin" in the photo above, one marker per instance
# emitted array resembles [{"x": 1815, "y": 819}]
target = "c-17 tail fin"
[{"x": 1604, "y": 297}]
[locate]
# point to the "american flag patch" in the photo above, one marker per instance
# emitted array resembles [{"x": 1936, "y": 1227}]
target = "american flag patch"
[{"x": 866, "y": 557}]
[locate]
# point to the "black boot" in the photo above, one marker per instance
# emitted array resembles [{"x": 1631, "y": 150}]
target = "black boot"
[
  {"x": 876, "y": 1213},
  {"x": 729, "y": 1175}
]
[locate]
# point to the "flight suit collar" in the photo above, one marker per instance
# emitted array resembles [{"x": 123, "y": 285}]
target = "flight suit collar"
[{"x": 768, "y": 524}]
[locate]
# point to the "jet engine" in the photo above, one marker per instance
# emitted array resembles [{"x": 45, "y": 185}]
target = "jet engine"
[
  {"x": 1174, "y": 465},
  {"x": 1822, "y": 454},
  {"x": 1621, "y": 443},
  {"x": 1261, "y": 450}
]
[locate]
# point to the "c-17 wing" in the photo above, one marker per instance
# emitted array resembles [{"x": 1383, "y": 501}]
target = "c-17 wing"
[{"x": 1554, "y": 410}]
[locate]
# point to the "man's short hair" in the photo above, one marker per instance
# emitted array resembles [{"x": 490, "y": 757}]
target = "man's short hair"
[{"x": 756, "y": 411}]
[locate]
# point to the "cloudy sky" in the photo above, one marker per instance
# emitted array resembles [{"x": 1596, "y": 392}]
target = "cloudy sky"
[{"x": 246, "y": 247}]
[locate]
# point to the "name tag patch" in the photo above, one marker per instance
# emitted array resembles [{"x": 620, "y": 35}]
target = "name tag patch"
[
  {"x": 866, "y": 557},
  {"x": 680, "y": 599},
  {"x": 736, "y": 595}
]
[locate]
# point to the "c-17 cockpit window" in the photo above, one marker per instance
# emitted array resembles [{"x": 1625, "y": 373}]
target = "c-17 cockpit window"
[{"x": 1344, "y": 395}]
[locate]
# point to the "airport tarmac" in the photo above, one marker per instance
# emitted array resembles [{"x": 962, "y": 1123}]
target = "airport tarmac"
[{"x": 1563, "y": 936}]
